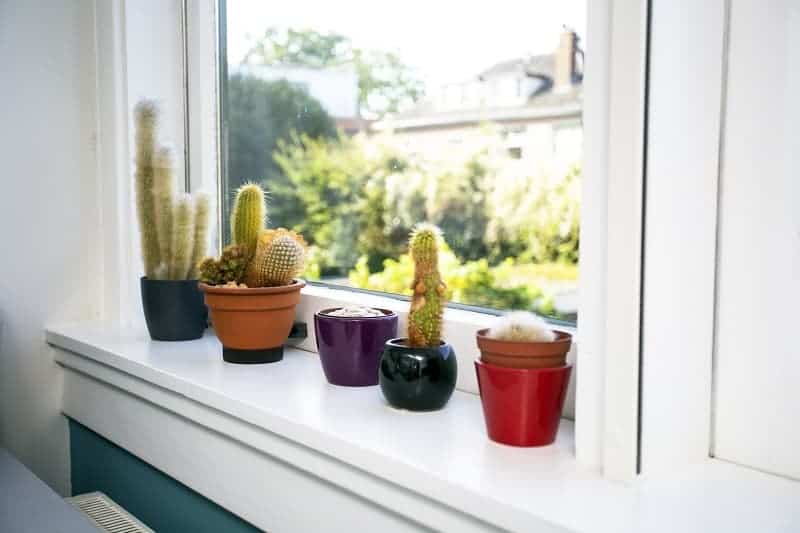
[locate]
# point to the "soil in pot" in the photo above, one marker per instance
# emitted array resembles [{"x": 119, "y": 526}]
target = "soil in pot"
[
  {"x": 350, "y": 346},
  {"x": 417, "y": 379},
  {"x": 252, "y": 324},
  {"x": 173, "y": 309},
  {"x": 522, "y": 407},
  {"x": 516, "y": 354}
]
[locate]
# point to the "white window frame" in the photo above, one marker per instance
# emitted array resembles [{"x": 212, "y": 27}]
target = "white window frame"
[{"x": 607, "y": 379}]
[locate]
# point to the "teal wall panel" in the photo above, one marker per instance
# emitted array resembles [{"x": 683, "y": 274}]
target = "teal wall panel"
[{"x": 153, "y": 497}]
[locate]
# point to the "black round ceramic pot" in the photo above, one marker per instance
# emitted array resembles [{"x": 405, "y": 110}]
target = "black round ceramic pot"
[
  {"x": 417, "y": 379},
  {"x": 173, "y": 309}
]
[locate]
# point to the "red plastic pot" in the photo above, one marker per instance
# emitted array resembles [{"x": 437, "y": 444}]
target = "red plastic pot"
[{"x": 522, "y": 406}]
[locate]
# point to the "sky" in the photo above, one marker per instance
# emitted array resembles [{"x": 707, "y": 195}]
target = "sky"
[{"x": 443, "y": 40}]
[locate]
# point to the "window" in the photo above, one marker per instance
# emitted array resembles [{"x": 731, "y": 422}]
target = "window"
[{"x": 348, "y": 118}]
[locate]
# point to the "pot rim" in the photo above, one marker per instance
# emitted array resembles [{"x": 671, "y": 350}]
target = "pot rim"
[
  {"x": 510, "y": 370},
  {"x": 401, "y": 342},
  {"x": 562, "y": 337},
  {"x": 387, "y": 313},
  {"x": 296, "y": 285}
]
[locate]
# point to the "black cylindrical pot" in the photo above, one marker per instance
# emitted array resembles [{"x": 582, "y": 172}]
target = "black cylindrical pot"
[
  {"x": 417, "y": 379},
  {"x": 173, "y": 309}
]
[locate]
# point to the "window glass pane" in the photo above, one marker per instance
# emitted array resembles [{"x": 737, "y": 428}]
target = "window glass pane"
[{"x": 362, "y": 122}]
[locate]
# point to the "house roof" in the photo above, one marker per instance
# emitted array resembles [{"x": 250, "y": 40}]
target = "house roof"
[
  {"x": 545, "y": 103},
  {"x": 540, "y": 65}
]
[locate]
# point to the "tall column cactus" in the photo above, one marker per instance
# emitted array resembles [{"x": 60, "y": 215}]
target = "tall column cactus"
[
  {"x": 146, "y": 119},
  {"x": 428, "y": 298},
  {"x": 174, "y": 233},
  {"x": 249, "y": 216},
  {"x": 201, "y": 214}
]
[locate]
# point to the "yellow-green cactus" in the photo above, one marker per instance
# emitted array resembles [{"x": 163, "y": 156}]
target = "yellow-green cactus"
[
  {"x": 248, "y": 217},
  {"x": 145, "y": 119},
  {"x": 427, "y": 300},
  {"x": 182, "y": 232},
  {"x": 201, "y": 212},
  {"x": 173, "y": 234},
  {"x": 279, "y": 258},
  {"x": 163, "y": 198}
]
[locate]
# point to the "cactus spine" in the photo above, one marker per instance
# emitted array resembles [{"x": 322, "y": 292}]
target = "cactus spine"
[
  {"x": 182, "y": 233},
  {"x": 162, "y": 195},
  {"x": 173, "y": 234},
  {"x": 278, "y": 259},
  {"x": 146, "y": 118},
  {"x": 201, "y": 213},
  {"x": 427, "y": 300},
  {"x": 228, "y": 268},
  {"x": 259, "y": 257},
  {"x": 248, "y": 217}
]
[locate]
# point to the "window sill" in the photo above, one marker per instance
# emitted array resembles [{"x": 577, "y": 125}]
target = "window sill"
[{"x": 263, "y": 441}]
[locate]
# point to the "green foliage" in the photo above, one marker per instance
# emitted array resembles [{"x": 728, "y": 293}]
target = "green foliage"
[
  {"x": 248, "y": 217},
  {"x": 340, "y": 197},
  {"x": 385, "y": 83},
  {"x": 427, "y": 288},
  {"x": 538, "y": 218},
  {"x": 230, "y": 266},
  {"x": 173, "y": 233},
  {"x": 471, "y": 282},
  {"x": 260, "y": 115}
]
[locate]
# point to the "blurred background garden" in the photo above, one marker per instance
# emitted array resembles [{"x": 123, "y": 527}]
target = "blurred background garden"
[{"x": 355, "y": 147}]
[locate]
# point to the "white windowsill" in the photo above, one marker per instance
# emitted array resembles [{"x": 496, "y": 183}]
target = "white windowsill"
[{"x": 442, "y": 459}]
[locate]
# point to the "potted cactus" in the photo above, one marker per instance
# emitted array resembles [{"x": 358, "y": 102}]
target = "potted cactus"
[
  {"x": 174, "y": 231},
  {"x": 350, "y": 341},
  {"x": 251, "y": 290},
  {"x": 419, "y": 372},
  {"x": 523, "y": 377}
]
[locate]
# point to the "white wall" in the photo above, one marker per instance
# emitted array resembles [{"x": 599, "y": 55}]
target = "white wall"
[{"x": 50, "y": 266}]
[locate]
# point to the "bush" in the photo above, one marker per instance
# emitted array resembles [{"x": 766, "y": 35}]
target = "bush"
[{"x": 471, "y": 282}]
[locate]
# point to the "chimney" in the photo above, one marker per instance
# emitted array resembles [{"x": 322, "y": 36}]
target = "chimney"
[{"x": 565, "y": 60}]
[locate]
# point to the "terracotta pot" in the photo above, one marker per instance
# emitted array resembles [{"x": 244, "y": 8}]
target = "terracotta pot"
[
  {"x": 515, "y": 354},
  {"x": 252, "y": 324},
  {"x": 522, "y": 406}
]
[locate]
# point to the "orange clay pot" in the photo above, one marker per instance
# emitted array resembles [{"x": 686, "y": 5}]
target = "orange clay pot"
[
  {"x": 252, "y": 324},
  {"x": 515, "y": 354}
]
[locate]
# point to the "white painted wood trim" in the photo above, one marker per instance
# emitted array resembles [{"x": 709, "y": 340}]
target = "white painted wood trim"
[
  {"x": 590, "y": 397},
  {"x": 263, "y": 440},
  {"x": 685, "y": 102},
  {"x": 113, "y": 156},
  {"x": 626, "y": 130}
]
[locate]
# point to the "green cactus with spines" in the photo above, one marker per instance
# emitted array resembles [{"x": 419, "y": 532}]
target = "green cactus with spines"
[
  {"x": 228, "y": 268},
  {"x": 201, "y": 214},
  {"x": 249, "y": 216},
  {"x": 157, "y": 210},
  {"x": 427, "y": 300},
  {"x": 182, "y": 234},
  {"x": 146, "y": 119},
  {"x": 164, "y": 202},
  {"x": 279, "y": 258}
]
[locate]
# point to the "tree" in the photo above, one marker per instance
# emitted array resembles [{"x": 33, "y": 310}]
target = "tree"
[
  {"x": 385, "y": 83},
  {"x": 262, "y": 114}
]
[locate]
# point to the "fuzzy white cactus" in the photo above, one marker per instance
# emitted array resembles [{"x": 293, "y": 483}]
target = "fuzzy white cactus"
[{"x": 521, "y": 326}]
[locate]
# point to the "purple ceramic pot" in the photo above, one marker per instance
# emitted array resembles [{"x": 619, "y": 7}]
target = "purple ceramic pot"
[{"x": 350, "y": 347}]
